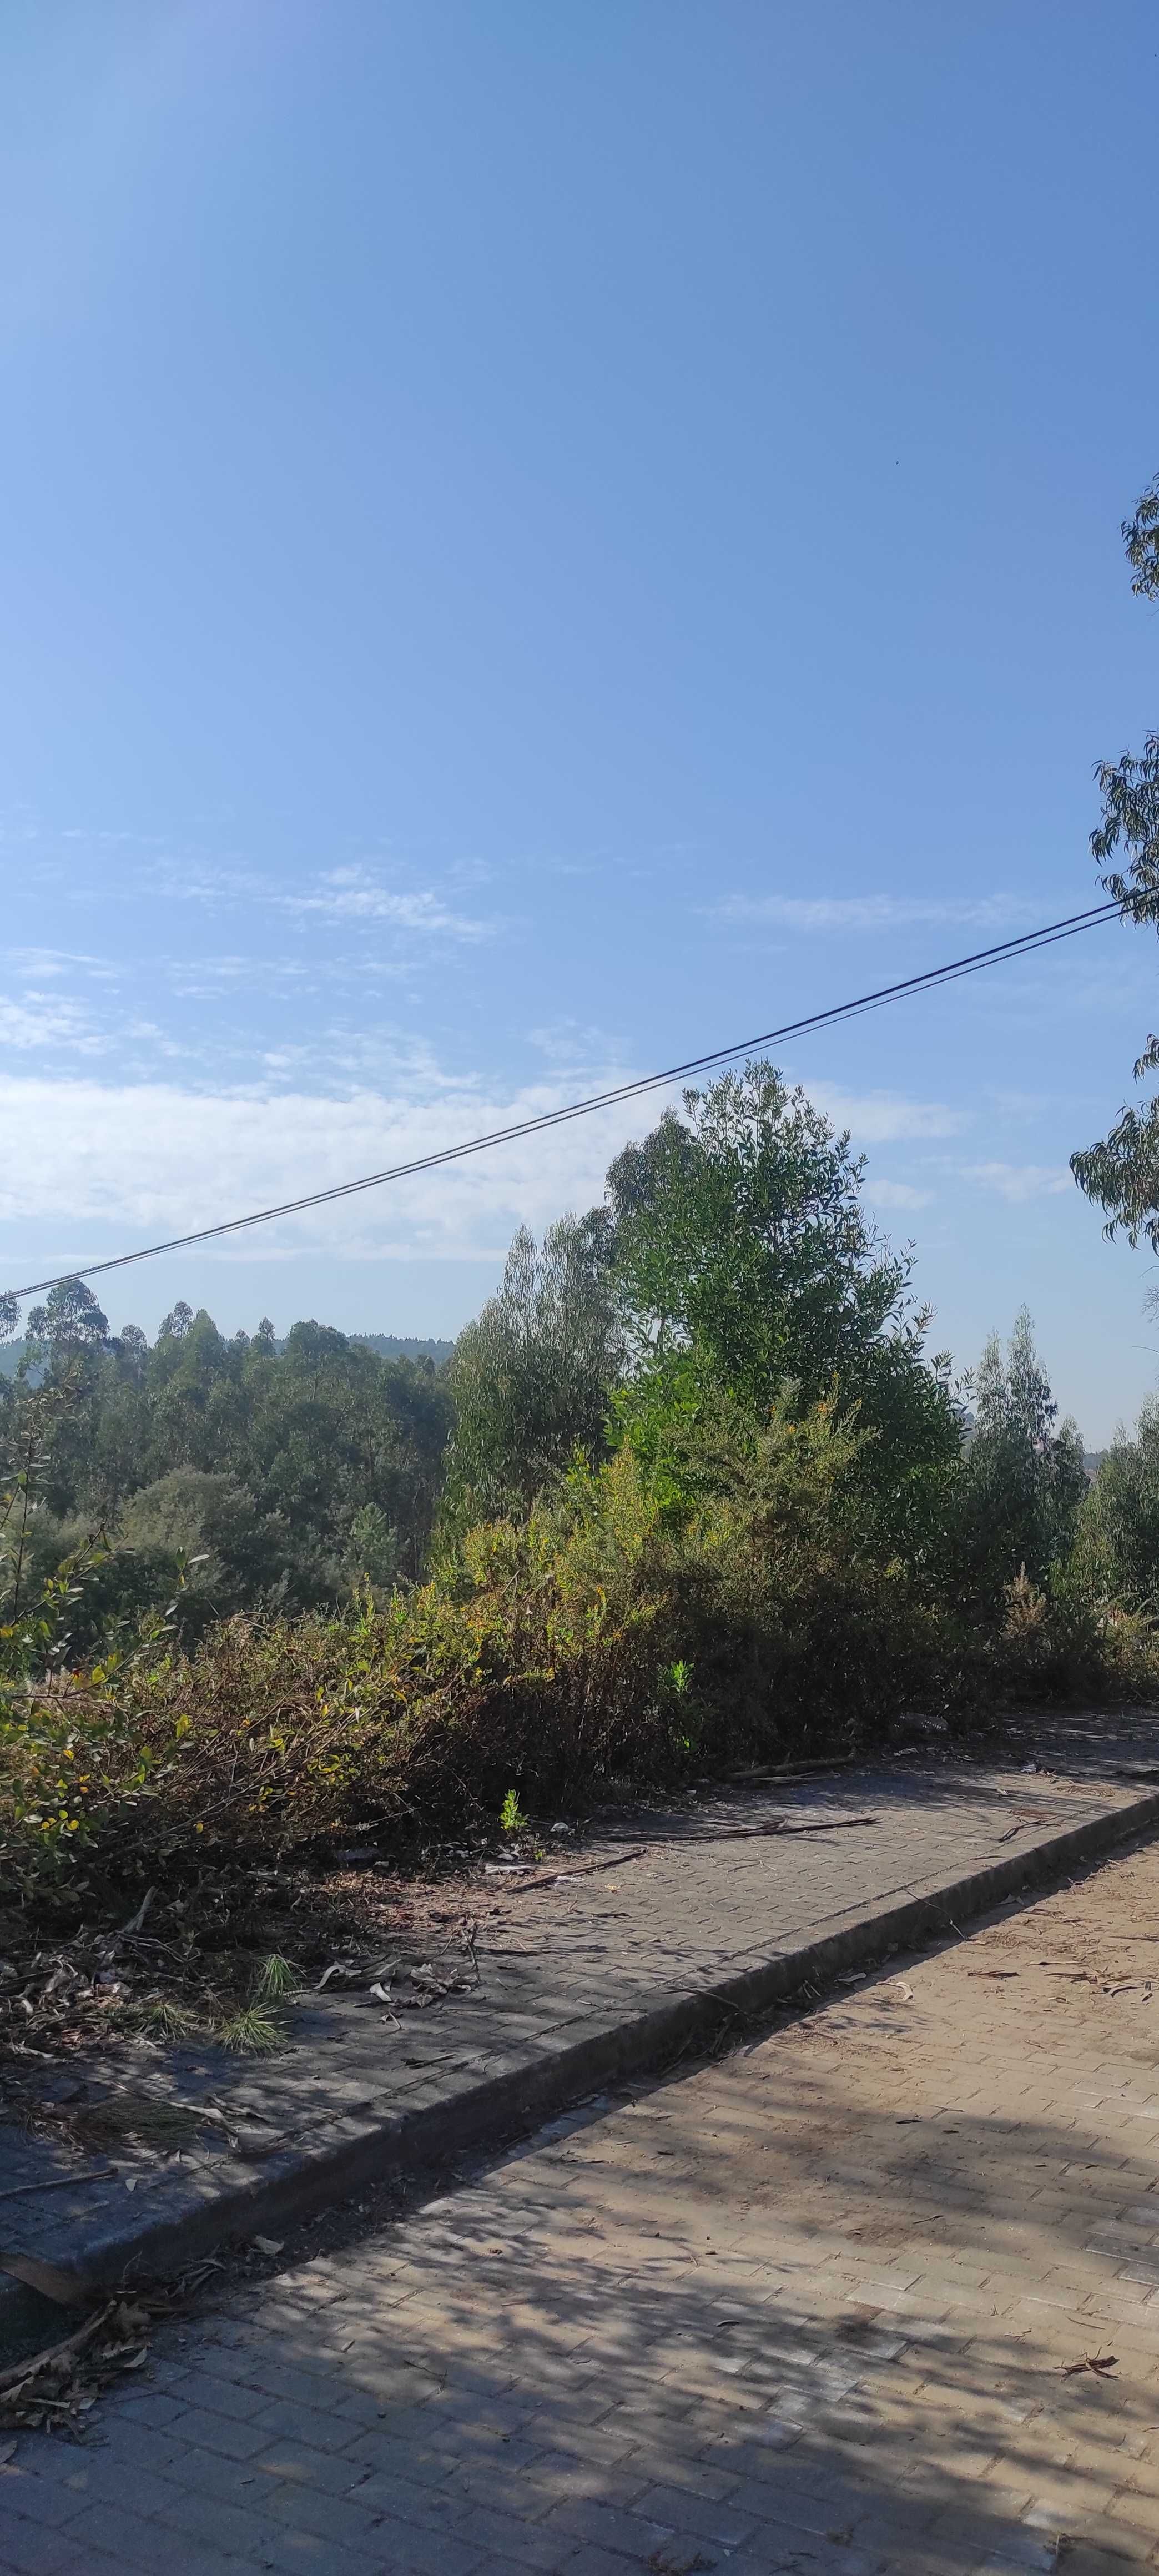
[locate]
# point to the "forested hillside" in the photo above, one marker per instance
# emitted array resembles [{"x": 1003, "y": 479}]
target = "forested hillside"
[
  {"x": 693, "y": 1486},
  {"x": 259, "y": 1472}
]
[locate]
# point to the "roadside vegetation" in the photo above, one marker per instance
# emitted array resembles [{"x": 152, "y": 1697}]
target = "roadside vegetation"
[{"x": 692, "y": 1492}]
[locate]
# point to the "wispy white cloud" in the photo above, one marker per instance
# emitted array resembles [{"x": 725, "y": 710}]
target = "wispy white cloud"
[
  {"x": 48, "y": 1021},
  {"x": 1022, "y": 1108},
  {"x": 896, "y": 1194},
  {"x": 1016, "y": 1182},
  {"x": 131, "y": 1161},
  {"x": 870, "y": 912},
  {"x": 572, "y": 1046},
  {"x": 228, "y": 976},
  {"x": 884, "y": 1117},
  {"x": 128, "y": 1161},
  {"x": 355, "y": 894},
  {"x": 39, "y": 965}
]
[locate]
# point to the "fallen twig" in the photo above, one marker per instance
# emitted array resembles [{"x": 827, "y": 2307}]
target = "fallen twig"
[
  {"x": 22, "y": 2370},
  {"x": 830, "y": 1824},
  {"x": 773, "y": 1825},
  {"x": 61, "y": 2182},
  {"x": 552, "y": 1877},
  {"x": 134, "y": 1925},
  {"x": 791, "y": 1770},
  {"x": 613, "y": 1861}
]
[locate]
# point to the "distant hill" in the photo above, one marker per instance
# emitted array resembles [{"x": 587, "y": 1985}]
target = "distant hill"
[{"x": 393, "y": 1346}]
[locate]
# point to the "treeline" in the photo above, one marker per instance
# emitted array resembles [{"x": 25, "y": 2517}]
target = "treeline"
[
  {"x": 731, "y": 1272},
  {"x": 693, "y": 1486},
  {"x": 247, "y": 1474}
]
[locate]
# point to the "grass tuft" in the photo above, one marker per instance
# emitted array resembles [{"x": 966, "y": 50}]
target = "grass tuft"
[
  {"x": 165, "y": 2018},
  {"x": 275, "y": 1980},
  {"x": 252, "y": 2032}
]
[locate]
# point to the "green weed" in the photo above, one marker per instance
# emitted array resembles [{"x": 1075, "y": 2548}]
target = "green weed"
[
  {"x": 252, "y": 2032},
  {"x": 275, "y": 1980}
]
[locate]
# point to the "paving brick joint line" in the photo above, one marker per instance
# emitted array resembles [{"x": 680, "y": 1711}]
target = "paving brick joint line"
[
  {"x": 819, "y": 2308},
  {"x": 583, "y": 1983}
]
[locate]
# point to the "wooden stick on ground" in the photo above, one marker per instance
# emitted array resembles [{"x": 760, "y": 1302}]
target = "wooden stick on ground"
[
  {"x": 39, "y": 2361},
  {"x": 62, "y": 2182}
]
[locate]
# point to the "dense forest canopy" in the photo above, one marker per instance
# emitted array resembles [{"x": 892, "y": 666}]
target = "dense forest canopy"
[
  {"x": 285, "y": 1472},
  {"x": 731, "y": 1271}
]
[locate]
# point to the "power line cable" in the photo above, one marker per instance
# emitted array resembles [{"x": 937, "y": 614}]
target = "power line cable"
[{"x": 1026, "y": 945}]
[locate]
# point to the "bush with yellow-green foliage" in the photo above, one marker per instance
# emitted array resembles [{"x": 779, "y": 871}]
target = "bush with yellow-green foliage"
[
  {"x": 724, "y": 1596},
  {"x": 637, "y": 1620}
]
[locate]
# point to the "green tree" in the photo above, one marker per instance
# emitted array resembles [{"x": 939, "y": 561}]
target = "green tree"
[
  {"x": 190, "y": 1514},
  {"x": 131, "y": 1346},
  {"x": 1118, "y": 1532},
  {"x": 1022, "y": 1481},
  {"x": 1121, "y": 1172},
  {"x": 531, "y": 1379},
  {"x": 740, "y": 1229},
  {"x": 71, "y": 1321},
  {"x": 300, "y": 1469},
  {"x": 372, "y": 1549},
  {"x": 745, "y": 1263},
  {"x": 65, "y": 1349}
]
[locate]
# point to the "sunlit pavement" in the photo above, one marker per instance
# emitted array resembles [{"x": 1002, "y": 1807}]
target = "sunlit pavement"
[{"x": 828, "y": 2304}]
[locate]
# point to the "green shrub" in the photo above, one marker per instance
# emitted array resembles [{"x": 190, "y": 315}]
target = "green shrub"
[
  {"x": 725, "y": 1598},
  {"x": 611, "y": 1633}
]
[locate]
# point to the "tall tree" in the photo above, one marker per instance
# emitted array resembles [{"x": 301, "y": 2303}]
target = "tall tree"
[
  {"x": 752, "y": 1276},
  {"x": 742, "y": 1247},
  {"x": 1119, "y": 1521},
  {"x": 71, "y": 1321},
  {"x": 1121, "y": 1172},
  {"x": 532, "y": 1377},
  {"x": 1023, "y": 1480},
  {"x": 741, "y": 1228}
]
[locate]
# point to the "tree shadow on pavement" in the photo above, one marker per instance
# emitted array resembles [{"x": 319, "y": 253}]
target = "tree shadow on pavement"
[{"x": 816, "y": 2308}]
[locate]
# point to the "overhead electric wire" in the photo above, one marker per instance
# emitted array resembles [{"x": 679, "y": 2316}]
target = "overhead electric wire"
[{"x": 934, "y": 977}]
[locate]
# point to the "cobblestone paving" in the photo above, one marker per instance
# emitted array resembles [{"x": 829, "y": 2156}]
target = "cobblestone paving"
[
  {"x": 575, "y": 1956},
  {"x": 810, "y": 2308}
]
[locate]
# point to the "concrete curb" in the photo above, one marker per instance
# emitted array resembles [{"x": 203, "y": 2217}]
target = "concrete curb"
[{"x": 474, "y": 2113}]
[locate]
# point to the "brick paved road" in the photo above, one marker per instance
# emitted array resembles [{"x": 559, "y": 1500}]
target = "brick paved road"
[
  {"x": 805, "y": 2309},
  {"x": 562, "y": 1962}
]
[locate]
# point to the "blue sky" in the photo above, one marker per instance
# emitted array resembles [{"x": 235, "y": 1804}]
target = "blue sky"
[{"x": 540, "y": 540}]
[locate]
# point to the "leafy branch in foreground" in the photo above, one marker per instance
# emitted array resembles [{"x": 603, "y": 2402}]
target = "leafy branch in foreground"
[{"x": 1121, "y": 1171}]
